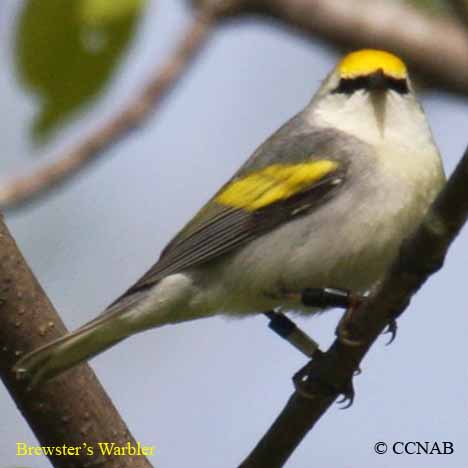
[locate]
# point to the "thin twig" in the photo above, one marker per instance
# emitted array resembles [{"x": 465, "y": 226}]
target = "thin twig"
[
  {"x": 29, "y": 187},
  {"x": 420, "y": 256},
  {"x": 435, "y": 47}
]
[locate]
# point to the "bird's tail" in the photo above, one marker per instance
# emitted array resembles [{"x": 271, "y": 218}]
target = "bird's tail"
[
  {"x": 82, "y": 344},
  {"x": 65, "y": 352},
  {"x": 134, "y": 312}
]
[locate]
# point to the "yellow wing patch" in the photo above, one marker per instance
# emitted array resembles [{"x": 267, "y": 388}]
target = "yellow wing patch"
[
  {"x": 367, "y": 61},
  {"x": 273, "y": 183}
]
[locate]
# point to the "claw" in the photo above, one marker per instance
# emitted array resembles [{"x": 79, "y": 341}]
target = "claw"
[
  {"x": 305, "y": 393},
  {"x": 308, "y": 384},
  {"x": 302, "y": 385},
  {"x": 391, "y": 329},
  {"x": 343, "y": 333},
  {"x": 343, "y": 336},
  {"x": 347, "y": 396},
  {"x": 306, "y": 380}
]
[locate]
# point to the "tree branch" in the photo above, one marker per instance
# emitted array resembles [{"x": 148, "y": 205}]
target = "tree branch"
[
  {"x": 27, "y": 188},
  {"x": 73, "y": 409},
  {"x": 436, "y": 47},
  {"x": 419, "y": 257}
]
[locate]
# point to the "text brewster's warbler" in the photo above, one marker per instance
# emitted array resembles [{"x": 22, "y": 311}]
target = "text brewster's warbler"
[{"x": 324, "y": 202}]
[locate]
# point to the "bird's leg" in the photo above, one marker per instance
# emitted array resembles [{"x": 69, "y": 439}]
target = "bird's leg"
[
  {"x": 308, "y": 381},
  {"x": 314, "y": 297},
  {"x": 288, "y": 330},
  {"x": 333, "y": 297},
  {"x": 344, "y": 330},
  {"x": 328, "y": 297},
  {"x": 342, "y": 298}
]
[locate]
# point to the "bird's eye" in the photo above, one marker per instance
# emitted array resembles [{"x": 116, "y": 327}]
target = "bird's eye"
[{"x": 370, "y": 83}]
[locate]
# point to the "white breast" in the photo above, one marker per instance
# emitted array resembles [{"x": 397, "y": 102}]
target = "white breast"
[{"x": 352, "y": 240}]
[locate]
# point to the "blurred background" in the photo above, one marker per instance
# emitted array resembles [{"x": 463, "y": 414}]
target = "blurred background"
[{"x": 203, "y": 393}]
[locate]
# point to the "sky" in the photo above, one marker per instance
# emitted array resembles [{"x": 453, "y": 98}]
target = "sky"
[{"x": 204, "y": 392}]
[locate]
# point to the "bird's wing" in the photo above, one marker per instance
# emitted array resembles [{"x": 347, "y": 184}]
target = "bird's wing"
[
  {"x": 227, "y": 223},
  {"x": 265, "y": 193}
]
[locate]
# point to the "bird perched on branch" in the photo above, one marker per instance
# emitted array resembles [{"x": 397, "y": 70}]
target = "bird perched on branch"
[{"x": 324, "y": 202}]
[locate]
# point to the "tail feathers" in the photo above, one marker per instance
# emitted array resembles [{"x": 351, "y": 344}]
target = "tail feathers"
[
  {"x": 67, "y": 351},
  {"x": 134, "y": 312}
]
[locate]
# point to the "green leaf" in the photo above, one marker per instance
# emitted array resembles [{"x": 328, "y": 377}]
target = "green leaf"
[
  {"x": 97, "y": 12},
  {"x": 67, "y": 51}
]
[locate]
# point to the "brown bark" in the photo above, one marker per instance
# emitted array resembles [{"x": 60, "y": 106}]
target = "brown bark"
[
  {"x": 434, "y": 46},
  {"x": 71, "y": 410}
]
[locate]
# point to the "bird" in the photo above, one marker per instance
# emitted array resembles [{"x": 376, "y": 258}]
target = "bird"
[{"x": 325, "y": 202}]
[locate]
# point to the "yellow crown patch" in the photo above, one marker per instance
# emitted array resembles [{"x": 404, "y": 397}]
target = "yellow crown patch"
[{"x": 367, "y": 61}]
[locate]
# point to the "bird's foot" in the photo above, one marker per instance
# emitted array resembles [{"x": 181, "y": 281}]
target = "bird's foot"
[
  {"x": 344, "y": 331},
  {"x": 309, "y": 383}
]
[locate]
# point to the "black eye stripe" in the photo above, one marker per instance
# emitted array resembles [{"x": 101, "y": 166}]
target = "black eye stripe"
[{"x": 350, "y": 85}]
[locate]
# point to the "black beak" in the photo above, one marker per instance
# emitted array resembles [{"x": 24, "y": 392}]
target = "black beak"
[{"x": 378, "y": 81}]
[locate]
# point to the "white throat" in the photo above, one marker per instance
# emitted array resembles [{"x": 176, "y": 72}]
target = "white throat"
[
  {"x": 403, "y": 121},
  {"x": 403, "y": 145}
]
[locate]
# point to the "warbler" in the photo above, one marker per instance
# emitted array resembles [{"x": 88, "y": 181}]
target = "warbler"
[{"x": 324, "y": 202}]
